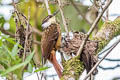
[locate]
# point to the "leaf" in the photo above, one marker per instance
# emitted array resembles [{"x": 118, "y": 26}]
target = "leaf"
[
  {"x": 0, "y": 42},
  {"x": 27, "y": 60},
  {"x": 30, "y": 68},
  {"x": 0, "y": 31},
  {"x": 15, "y": 49},
  {"x": 9, "y": 53},
  {"x": 30, "y": 56},
  {"x": 21, "y": 1},
  {"x": 3, "y": 63},
  {"x": 11, "y": 40},
  {"x": 2, "y": 21},
  {"x": 12, "y": 24},
  {"x": 41, "y": 69}
]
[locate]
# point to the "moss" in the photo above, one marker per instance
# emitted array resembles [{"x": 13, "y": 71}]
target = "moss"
[
  {"x": 109, "y": 30},
  {"x": 73, "y": 67}
]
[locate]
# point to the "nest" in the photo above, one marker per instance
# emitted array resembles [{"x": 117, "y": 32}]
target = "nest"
[{"x": 71, "y": 45}]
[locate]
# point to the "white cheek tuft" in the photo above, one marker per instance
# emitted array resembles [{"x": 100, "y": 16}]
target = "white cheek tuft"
[{"x": 46, "y": 24}]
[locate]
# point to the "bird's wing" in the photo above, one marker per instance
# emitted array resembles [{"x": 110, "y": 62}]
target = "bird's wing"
[{"x": 49, "y": 40}]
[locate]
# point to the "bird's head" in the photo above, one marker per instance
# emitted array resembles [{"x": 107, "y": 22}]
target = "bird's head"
[{"x": 50, "y": 19}]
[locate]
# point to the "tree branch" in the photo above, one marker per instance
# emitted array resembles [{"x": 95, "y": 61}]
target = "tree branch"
[
  {"x": 101, "y": 60},
  {"x": 7, "y": 32},
  {"x": 35, "y": 30},
  {"x": 47, "y": 7},
  {"x": 63, "y": 17},
  {"x": 92, "y": 27},
  {"x": 79, "y": 12},
  {"x": 12, "y": 35},
  {"x": 108, "y": 30}
]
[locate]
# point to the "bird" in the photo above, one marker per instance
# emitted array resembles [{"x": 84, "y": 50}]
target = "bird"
[{"x": 51, "y": 41}]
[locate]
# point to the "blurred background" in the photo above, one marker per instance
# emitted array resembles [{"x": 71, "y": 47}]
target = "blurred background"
[{"x": 78, "y": 17}]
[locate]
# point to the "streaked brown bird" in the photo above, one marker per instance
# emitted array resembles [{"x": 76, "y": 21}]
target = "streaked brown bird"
[{"x": 51, "y": 41}]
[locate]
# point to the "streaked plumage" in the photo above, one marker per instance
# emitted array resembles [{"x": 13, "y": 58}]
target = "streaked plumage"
[{"x": 51, "y": 41}]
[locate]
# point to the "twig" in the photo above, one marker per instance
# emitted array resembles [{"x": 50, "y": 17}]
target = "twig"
[
  {"x": 12, "y": 35},
  {"x": 37, "y": 42},
  {"x": 53, "y": 2},
  {"x": 79, "y": 12},
  {"x": 7, "y": 32},
  {"x": 27, "y": 33},
  {"x": 92, "y": 28},
  {"x": 37, "y": 56},
  {"x": 112, "y": 60},
  {"x": 36, "y": 31},
  {"x": 110, "y": 68},
  {"x": 47, "y": 7},
  {"x": 101, "y": 60},
  {"x": 63, "y": 17},
  {"x": 14, "y": 4},
  {"x": 107, "y": 12},
  {"x": 38, "y": 76}
]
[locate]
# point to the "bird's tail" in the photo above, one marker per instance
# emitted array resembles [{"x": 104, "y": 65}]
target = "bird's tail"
[{"x": 56, "y": 65}]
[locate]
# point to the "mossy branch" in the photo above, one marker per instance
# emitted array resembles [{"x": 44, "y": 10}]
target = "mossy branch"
[
  {"x": 109, "y": 30},
  {"x": 73, "y": 68}
]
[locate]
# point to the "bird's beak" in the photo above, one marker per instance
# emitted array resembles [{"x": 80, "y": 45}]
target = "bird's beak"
[{"x": 55, "y": 13}]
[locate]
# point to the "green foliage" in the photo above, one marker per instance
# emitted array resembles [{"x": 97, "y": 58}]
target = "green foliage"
[
  {"x": 18, "y": 65},
  {"x": 12, "y": 24},
  {"x": 2, "y": 21},
  {"x": 12, "y": 68},
  {"x": 0, "y": 40},
  {"x": 75, "y": 23},
  {"x": 30, "y": 68},
  {"x": 21, "y": 1},
  {"x": 9, "y": 58},
  {"x": 9, "y": 48},
  {"x": 41, "y": 69}
]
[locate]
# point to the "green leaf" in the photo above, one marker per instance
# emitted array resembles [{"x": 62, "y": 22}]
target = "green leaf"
[
  {"x": 1, "y": 71},
  {"x": 15, "y": 49},
  {"x": 4, "y": 63},
  {"x": 0, "y": 31},
  {"x": 11, "y": 40},
  {"x": 12, "y": 24},
  {"x": 21, "y": 1},
  {"x": 30, "y": 56},
  {"x": 30, "y": 68},
  {"x": 41, "y": 69},
  {"x": 9, "y": 53},
  {"x": 0, "y": 42},
  {"x": 2, "y": 21},
  {"x": 27, "y": 60}
]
